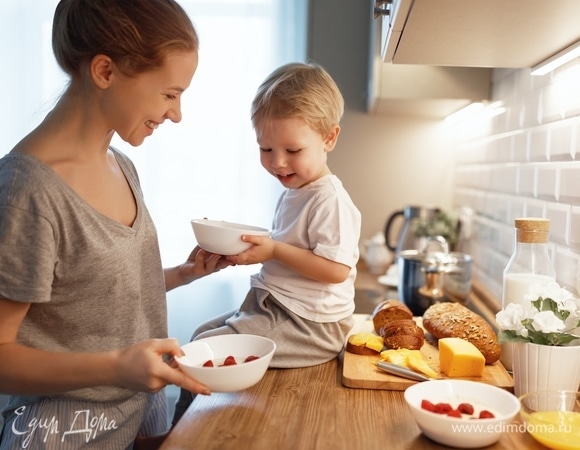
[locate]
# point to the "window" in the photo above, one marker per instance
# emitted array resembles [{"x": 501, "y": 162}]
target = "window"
[{"x": 207, "y": 165}]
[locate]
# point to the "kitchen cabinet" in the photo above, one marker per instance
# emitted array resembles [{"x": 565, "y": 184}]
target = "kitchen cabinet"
[
  {"x": 428, "y": 91},
  {"x": 478, "y": 33},
  {"x": 346, "y": 40},
  {"x": 431, "y": 57}
]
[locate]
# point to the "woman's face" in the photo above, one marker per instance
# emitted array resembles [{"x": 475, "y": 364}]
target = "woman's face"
[
  {"x": 135, "y": 106},
  {"x": 293, "y": 152}
]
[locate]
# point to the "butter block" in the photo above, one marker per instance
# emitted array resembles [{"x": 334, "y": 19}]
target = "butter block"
[{"x": 460, "y": 358}]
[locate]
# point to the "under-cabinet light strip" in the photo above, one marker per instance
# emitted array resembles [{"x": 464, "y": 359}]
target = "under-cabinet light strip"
[{"x": 557, "y": 60}]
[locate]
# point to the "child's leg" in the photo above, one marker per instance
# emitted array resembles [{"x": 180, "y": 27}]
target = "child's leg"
[{"x": 299, "y": 342}]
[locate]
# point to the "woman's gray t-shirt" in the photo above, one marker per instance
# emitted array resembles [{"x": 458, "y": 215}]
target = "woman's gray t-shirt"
[{"x": 93, "y": 283}]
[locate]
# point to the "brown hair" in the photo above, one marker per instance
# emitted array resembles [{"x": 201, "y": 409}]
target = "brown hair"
[
  {"x": 299, "y": 90},
  {"x": 136, "y": 34}
]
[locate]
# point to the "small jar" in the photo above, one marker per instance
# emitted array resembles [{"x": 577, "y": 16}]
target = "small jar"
[{"x": 530, "y": 264}]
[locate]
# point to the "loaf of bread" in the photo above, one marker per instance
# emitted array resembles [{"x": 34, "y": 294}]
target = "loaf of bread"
[
  {"x": 450, "y": 319},
  {"x": 389, "y": 311},
  {"x": 402, "y": 333}
]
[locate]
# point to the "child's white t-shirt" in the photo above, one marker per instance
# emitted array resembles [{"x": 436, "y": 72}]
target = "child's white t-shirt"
[{"x": 322, "y": 217}]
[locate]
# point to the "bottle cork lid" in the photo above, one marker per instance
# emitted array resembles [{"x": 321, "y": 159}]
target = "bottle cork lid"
[{"x": 532, "y": 229}]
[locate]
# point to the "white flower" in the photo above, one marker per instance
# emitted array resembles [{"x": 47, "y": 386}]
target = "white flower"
[
  {"x": 512, "y": 316},
  {"x": 547, "y": 322},
  {"x": 548, "y": 290},
  {"x": 570, "y": 305},
  {"x": 552, "y": 317}
]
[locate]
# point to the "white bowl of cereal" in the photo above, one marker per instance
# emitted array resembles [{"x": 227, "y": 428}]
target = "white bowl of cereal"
[
  {"x": 461, "y": 413},
  {"x": 227, "y": 363}
]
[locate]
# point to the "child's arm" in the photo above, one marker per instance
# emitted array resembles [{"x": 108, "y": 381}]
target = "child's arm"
[{"x": 301, "y": 260}]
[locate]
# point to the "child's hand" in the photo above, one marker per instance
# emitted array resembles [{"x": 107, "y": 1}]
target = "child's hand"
[{"x": 261, "y": 250}]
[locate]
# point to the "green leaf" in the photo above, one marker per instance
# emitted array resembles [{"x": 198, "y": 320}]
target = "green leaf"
[
  {"x": 510, "y": 336},
  {"x": 537, "y": 303},
  {"x": 549, "y": 305}
]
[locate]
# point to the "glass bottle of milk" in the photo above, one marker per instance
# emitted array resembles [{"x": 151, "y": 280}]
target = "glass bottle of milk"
[{"x": 530, "y": 264}]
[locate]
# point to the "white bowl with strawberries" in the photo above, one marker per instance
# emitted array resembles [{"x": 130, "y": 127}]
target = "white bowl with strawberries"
[
  {"x": 227, "y": 363},
  {"x": 461, "y": 413}
]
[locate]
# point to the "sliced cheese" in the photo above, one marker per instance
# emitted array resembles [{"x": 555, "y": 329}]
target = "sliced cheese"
[
  {"x": 399, "y": 356},
  {"x": 376, "y": 343},
  {"x": 460, "y": 358},
  {"x": 369, "y": 340},
  {"x": 418, "y": 364},
  {"x": 360, "y": 338},
  {"x": 413, "y": 359}
]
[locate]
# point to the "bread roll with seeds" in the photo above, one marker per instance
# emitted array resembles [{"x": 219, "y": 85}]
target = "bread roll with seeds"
[{"x": 450, "y": 319}]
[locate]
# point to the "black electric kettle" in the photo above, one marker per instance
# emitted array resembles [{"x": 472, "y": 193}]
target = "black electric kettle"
[{"x": 407, "y": 239}]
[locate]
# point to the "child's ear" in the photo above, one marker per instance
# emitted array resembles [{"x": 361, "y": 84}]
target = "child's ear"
[
  {"x": 101, "y": 70},
  {"x": 332, "y": 138}
]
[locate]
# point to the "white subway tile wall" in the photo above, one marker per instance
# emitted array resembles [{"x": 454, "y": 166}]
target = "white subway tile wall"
[{"x": 523, "y": 162}]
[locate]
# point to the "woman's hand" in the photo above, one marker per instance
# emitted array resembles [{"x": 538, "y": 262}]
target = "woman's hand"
[
  {"x": 198, "y": 264},
  {"x": 201, "y": 263},
  {"x": 142, "y": 367}
]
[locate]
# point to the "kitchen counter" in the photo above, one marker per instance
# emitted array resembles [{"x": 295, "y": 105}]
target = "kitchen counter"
[{"x": 309, "y": 409}]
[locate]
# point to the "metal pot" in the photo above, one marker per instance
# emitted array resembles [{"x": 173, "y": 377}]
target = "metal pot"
[{"x": 428, "y": 277}]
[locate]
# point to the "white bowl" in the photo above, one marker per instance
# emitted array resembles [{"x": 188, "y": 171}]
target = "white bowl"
[
  {"x": 217, "y": 348},
  {"x": 462, "y": 432},
  {"x": 224, "y": 238}
]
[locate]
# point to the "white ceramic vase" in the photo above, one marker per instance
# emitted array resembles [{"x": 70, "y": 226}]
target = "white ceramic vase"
[{"x": 545, "y": 367}]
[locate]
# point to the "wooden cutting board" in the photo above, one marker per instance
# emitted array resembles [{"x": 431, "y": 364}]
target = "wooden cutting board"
[{"x": 360, "y": 371}]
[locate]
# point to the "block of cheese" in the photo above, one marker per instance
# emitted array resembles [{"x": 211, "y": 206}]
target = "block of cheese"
[{"x": 460, "y": 358}]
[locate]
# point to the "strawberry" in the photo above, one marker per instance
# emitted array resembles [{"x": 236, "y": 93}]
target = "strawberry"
[
  {"x": 427, "y": 405},
  {"x": 485, "y": 414},
  {"x": 465, "y": 408},
  {"x": 442, "y": 408},
  {"x": 454, "y": 413},
  {"x": 208, "y": 363},
  {"x": 229, "y": 361},
  {"x": 251, "y": 358}
]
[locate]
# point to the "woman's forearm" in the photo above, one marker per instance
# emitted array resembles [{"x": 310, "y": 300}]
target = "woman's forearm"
[{"x": 31, "y": 371}]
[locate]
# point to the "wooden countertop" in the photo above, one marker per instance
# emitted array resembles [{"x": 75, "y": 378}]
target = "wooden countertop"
[{"x": 308, "y": 409}]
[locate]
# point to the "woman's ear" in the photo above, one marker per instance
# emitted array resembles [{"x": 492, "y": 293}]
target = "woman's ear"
[
  {"x": 101, "y": 70},
  {"x": 331, "y": 138}
]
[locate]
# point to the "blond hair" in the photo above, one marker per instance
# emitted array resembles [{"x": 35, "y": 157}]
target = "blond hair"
[
  {"x": 136, "y": 34},
  {"x": 299, "y": 90}
]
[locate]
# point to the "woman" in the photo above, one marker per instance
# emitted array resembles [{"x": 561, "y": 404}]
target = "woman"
[{"x": 83, "y": 327}]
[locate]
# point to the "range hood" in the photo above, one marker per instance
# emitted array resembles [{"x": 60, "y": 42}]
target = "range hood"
[
  {"x": 477, "y": 33},
  {"x": 431, "y": 57}
]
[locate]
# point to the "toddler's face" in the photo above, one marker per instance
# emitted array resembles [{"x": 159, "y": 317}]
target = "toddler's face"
[{"x": 293, "y": 152}]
